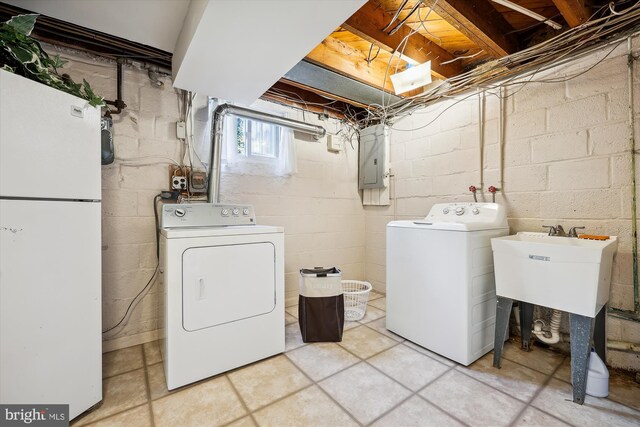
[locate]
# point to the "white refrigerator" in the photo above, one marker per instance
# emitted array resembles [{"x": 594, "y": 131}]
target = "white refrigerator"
[{"x": 50, "y": 247}]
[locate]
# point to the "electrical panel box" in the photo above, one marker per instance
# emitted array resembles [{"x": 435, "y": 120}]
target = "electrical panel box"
[{"x": 371, "y": 171}]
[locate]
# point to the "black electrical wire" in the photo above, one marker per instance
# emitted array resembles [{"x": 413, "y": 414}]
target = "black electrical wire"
[{"x": 155, "y": 271}]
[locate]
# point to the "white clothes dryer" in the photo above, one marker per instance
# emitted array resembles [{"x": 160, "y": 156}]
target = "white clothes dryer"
[
  {"x": 223, "y": 290},
  {"x": 440, "y": 282}
]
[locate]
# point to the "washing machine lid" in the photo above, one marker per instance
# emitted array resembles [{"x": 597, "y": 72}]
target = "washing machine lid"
[
  {"x": 236, "y": 230},
  {"x": 460, "y": 217}
]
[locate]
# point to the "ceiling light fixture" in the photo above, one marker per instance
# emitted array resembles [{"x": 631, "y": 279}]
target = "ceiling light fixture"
[
  {"x": 412, "y": 78},
  {"x": 529, "y": 13}
]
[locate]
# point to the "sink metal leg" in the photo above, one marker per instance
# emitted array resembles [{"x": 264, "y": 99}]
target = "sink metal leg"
[
  {"x": 599, "y": 333},
  {"x": 526, "y": 320},
  {"x": 503, "y": 312},
  {"x": 581, "y": 329}
]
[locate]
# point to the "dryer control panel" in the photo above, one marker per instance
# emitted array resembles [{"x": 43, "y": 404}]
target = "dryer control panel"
[{"x": 206, "y": 215}]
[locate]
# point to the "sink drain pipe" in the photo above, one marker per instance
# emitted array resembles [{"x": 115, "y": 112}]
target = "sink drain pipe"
[{"x": 553, "y": 335}]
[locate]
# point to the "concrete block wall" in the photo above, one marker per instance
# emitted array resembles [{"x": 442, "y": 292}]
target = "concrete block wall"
[
  {"x": 144, "y": 137},
  {"x": 319, "y": 207},
  {"x": 566, "y": 161}
]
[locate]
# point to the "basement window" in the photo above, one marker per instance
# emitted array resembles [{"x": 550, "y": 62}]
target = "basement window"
[
  {"x": 257, "y": 148},
  {"x": 256, "y": 140}
]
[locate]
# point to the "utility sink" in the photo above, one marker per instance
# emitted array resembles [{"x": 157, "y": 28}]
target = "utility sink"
[{"x": 565, "y": 273}]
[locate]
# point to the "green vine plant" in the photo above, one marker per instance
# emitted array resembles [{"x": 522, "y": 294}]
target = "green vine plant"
[{"x": 23, "y": 55}]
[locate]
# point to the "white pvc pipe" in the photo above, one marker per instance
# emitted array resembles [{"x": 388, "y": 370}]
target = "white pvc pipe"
[
  {"x": 553, "y": 336},
  {"x": 481, "y": 124},
  {"x": 530, "y": 13},
  {"x": 624, "y": 346},
  {"x": 502, "y": 94}
]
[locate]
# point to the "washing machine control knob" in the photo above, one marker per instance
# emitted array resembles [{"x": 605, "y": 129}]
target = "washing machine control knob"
[
  {"x": 236, "y": 211},
  {"x": 245, "y": 211},
  {"x": 225, "y": 212},
  {"x": 180, "y": 212},
  {"x": 445, "y": 211},
  {"x": 459, "y": 210},
  {"x": 475, "y": 211}
]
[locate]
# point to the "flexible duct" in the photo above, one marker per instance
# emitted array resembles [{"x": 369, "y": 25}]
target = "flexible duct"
[
  {"x": 217, "y": 129},
  {"x": 553, "y": 336}
]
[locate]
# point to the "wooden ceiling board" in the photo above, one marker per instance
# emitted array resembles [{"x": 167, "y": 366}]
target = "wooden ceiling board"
[
  {"x": 364, "y": 46},
  {"x": 478, "y": 21},
  {"x": 454, "y": 29},
  {"x": 344, "y": 59},
  {"x": 442, "y": 33},
  {"x": 439, "y": 31},
  {"x": 519, "y": 21},
  {"x": 368, "y": 23},
  {"x": 573, "y": 11}
]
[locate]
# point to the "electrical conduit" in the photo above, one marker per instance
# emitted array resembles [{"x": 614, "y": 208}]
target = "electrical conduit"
[
  {"x": 481, "y": 124},
  {"x": 502, "y": 96},
  {"x": 632, "y": 141}
]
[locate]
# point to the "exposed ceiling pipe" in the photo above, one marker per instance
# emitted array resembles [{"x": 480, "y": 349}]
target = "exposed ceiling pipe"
[
  {"x": 118, "y": 103},
  {"x": 529, "y": 13},
  {"x": 217, "y": 128}
]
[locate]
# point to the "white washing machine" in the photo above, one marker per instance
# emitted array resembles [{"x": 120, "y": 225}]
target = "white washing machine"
[
  {"x": 223, "y": 290},
  {"x": 440, "y": 283}
]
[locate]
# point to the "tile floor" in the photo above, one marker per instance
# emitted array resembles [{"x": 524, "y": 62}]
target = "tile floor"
[{"x": 372, "y": 377}]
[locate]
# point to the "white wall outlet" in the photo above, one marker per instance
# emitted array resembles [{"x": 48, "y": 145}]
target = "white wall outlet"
[
  {"x": 179, "y": 183},
  {"x": 334, "y": 143},
  {"x": 181, "y": 130}
]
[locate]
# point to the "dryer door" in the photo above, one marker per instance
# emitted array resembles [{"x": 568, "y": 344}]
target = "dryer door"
[{"x": 227, "y": 283}]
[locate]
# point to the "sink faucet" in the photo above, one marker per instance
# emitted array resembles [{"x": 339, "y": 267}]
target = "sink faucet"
[
  {"x": 573, "y": 232},
  {"x": 556, "y": 230}
]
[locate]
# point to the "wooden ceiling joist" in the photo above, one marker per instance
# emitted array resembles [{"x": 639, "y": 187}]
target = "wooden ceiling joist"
[
  {"x": 291, "y": 93},
  {"x": 574, "y": 11},
  {"x": 368, "y": 23},
  {"x": 342, "y": 58},
  {"x": 480, "y": 22}
]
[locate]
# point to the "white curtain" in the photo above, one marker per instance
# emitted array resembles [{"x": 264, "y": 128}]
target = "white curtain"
[
  {"x": 287, "y": 163},
  {"x": 229, "y": 141}
]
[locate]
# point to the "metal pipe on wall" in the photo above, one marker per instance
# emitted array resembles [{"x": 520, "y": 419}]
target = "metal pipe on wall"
[
  {"x": 632, "y": 142},
  {"x": 217, "y": 129},
  {"x": 482, "y": 102},
  {"x": 502, "y": 96}
]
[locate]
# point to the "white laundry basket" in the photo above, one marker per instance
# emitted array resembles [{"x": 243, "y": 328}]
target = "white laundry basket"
[{"x": 356, "y": 295}]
